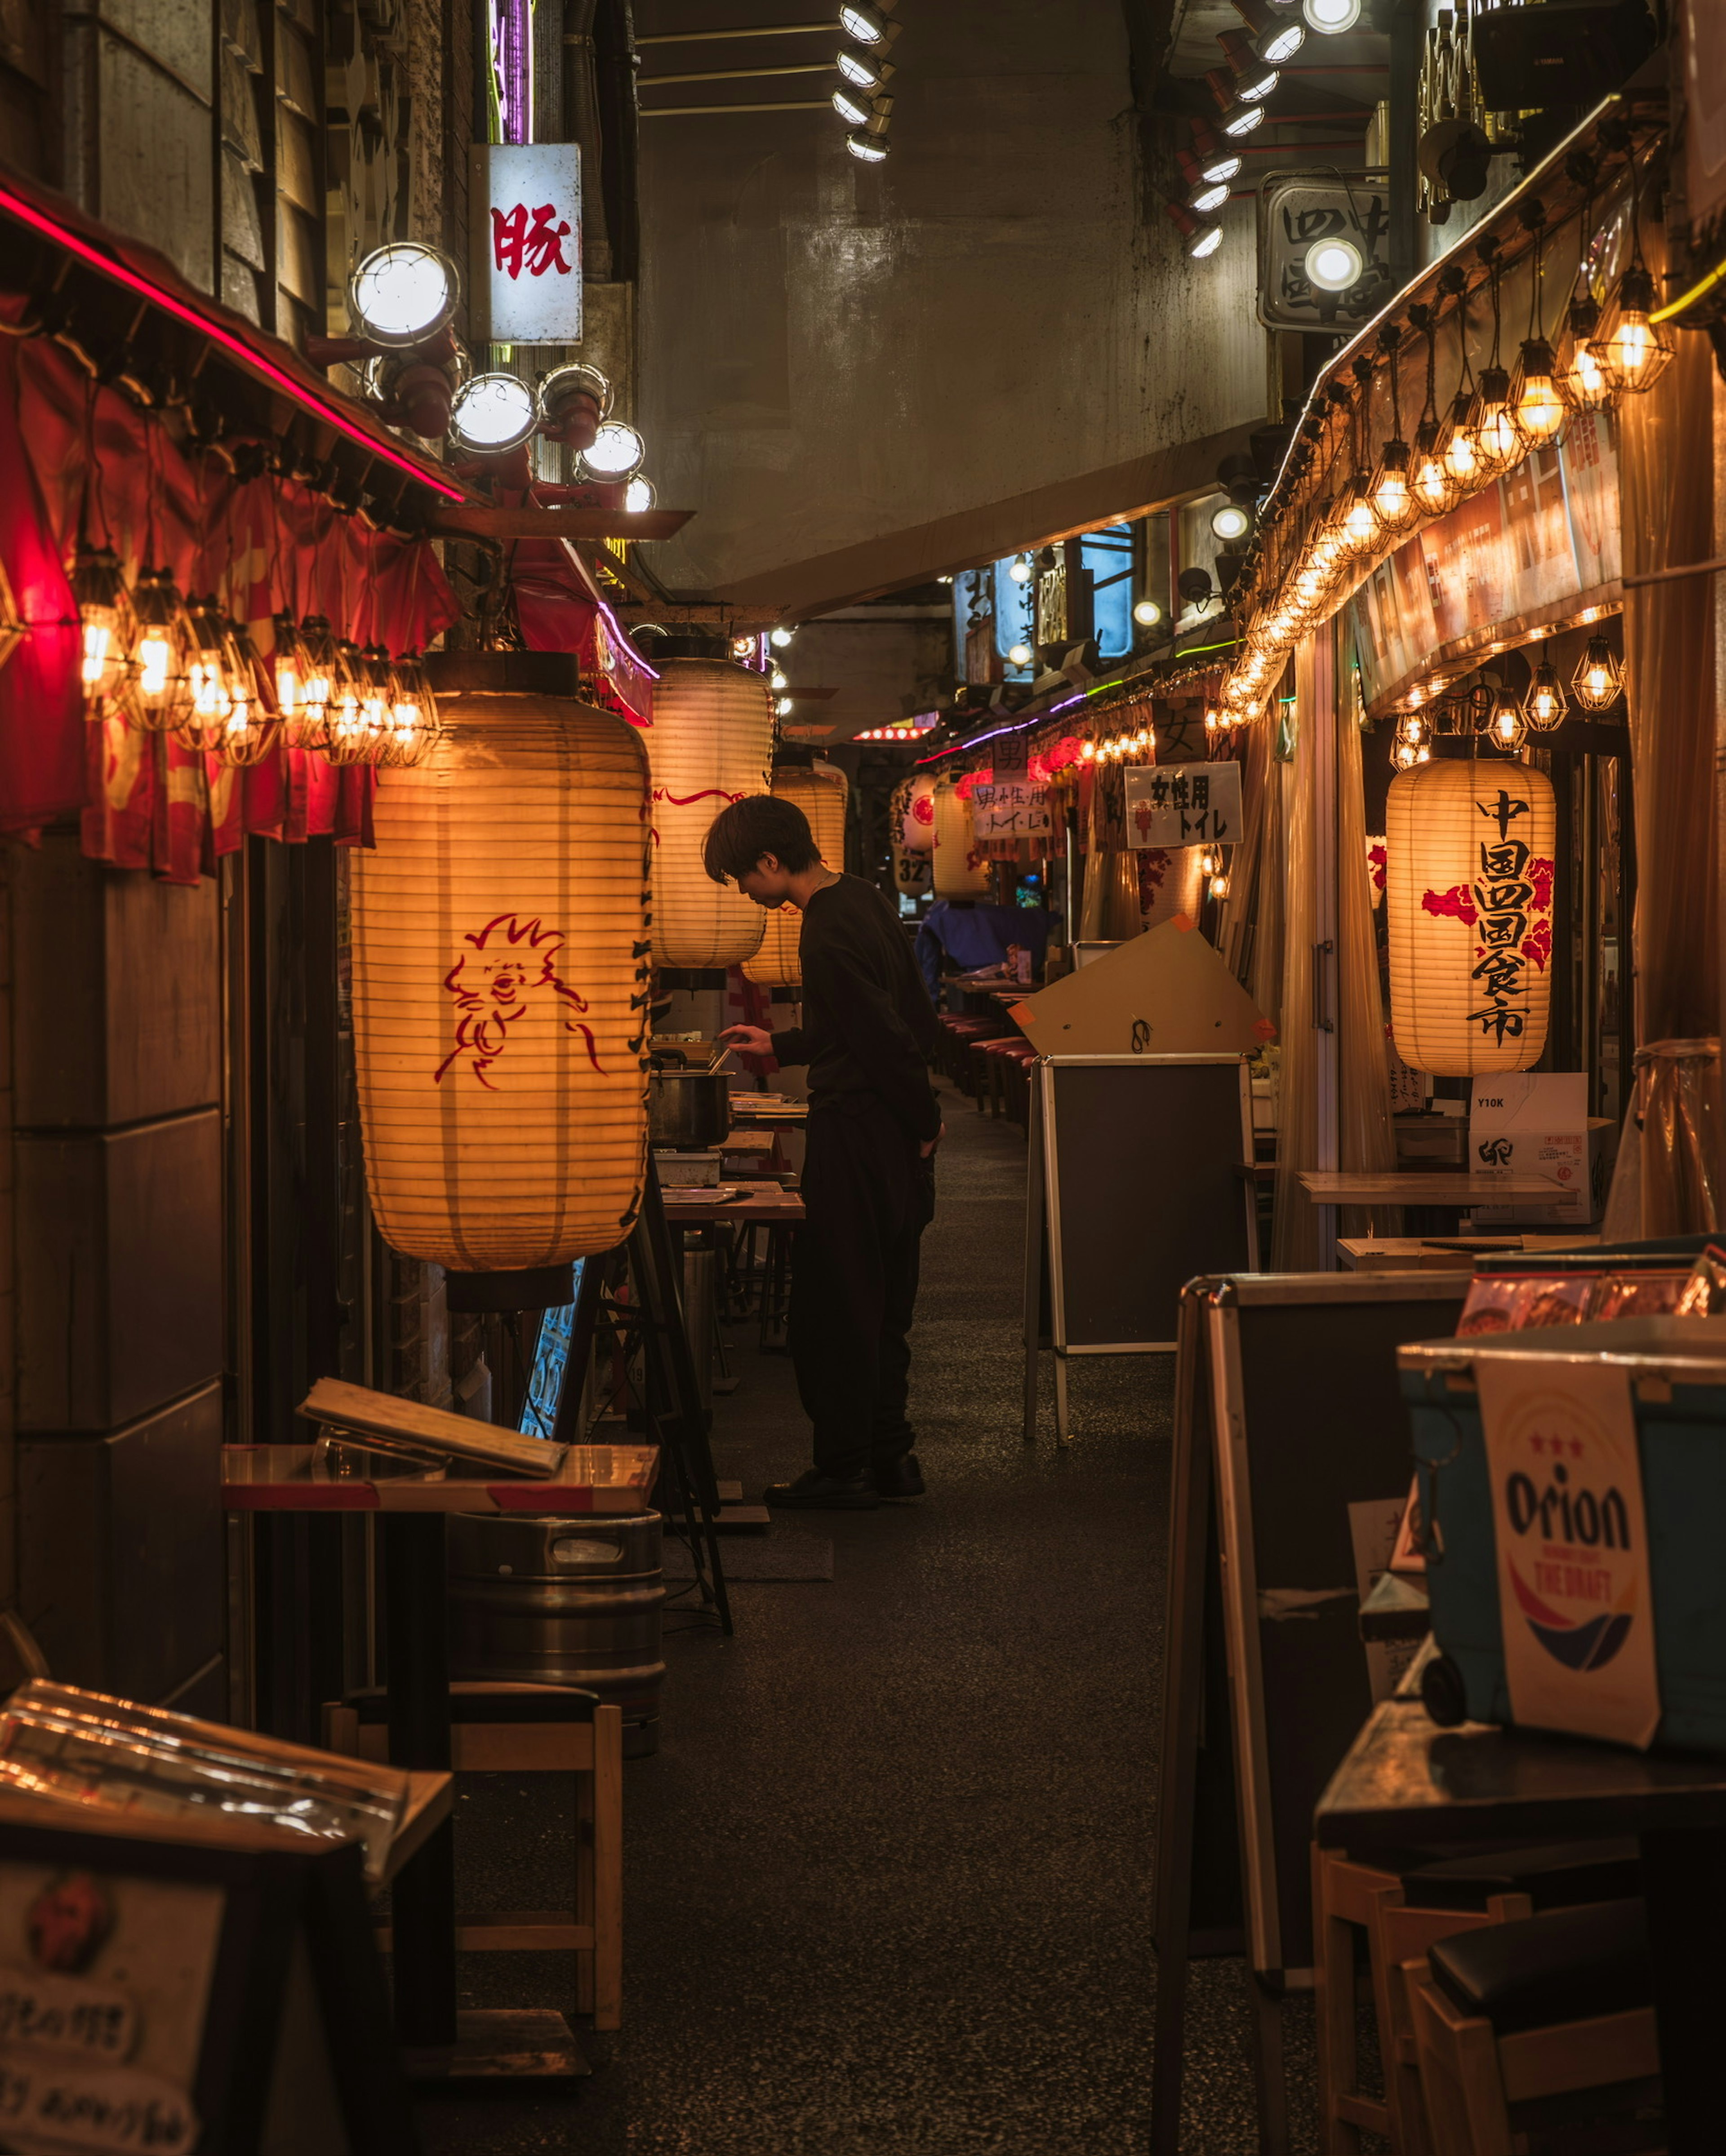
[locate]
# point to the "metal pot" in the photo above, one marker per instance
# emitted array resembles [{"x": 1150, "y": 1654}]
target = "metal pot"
[{"x": 688, "y": 1107}]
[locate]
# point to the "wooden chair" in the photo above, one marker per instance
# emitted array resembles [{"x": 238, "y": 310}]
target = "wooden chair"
[
  {"x": 528, "y": 1728},
  {"x": 1403, "y": 1913},
  {"x": 1509, "y": 2019}
]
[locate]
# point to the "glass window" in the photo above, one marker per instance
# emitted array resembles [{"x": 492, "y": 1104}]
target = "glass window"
[{"x": 1108, "y": 556}]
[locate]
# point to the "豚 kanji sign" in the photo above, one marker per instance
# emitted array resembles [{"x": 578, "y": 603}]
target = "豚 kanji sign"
[
  {"x": 1183, "y": 804},
  {"x": 527, "y": 241}
]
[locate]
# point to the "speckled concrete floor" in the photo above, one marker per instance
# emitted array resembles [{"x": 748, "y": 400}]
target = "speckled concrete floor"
[{"x": 887, "y": 1882}]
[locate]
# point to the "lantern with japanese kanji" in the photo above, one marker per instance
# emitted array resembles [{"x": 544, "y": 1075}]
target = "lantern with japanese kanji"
[
  {"x": 819, "y": 791},
  {"x": 1468, "y": 896},
  {"x": 960, "y": 870},
  {"x": 500, "y": 970},
  {"x": 917, "y": 824},
  {"x": 709, "y": 745}
]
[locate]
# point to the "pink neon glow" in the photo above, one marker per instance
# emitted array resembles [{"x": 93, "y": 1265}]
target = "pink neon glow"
[{"x": 130, "y": 278}]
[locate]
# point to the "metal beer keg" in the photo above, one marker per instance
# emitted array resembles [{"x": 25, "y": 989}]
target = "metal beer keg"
[{"x": 562, "y": 1602}]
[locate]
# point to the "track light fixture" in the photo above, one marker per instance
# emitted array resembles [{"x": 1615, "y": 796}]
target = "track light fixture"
[
  {"x": 867, "y": 25},
  {"x": 862, "y": 72},
  {"x": 870, "y": 149}
]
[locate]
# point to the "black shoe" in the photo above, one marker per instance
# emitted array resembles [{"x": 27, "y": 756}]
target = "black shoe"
[
  {"x": 898, "y": 1478},
  {"x": 817, "y": 1492}
]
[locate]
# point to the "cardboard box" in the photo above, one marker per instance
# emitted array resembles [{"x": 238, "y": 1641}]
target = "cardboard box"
[
  {"x": 1537, "y": 1123},
  {"x": 1166, "y": 993}
]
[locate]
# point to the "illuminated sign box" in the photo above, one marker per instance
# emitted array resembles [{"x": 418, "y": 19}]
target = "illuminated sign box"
[{"x": 527, "y": 243}]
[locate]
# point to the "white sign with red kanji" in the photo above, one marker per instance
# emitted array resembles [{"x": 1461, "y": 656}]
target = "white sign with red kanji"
[{"x": 528, "y": 242}]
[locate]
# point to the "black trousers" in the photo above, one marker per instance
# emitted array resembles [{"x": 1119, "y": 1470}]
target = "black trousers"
[{"x": 868, "y": 1197}]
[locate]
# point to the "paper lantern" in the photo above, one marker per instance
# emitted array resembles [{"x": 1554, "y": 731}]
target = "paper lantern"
[
  {"x": 501, "y": 971},
  {"x": 1469, "y": 899},
  {"x": 913, "y": 872},
  {"x": 819, "y": 790},
  {"x": 917, "y": 824},
  {"x": 960, "y": 870},
  {"x": 1171, "y": 882},
  {"x": 709, "y": 745}
]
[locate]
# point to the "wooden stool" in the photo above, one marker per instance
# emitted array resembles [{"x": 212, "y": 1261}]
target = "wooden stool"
[
  {"x": 528, "y": 1728},
  {"x": 1403, "y": 1912},
  {"x": 1518, "y": 2014}
]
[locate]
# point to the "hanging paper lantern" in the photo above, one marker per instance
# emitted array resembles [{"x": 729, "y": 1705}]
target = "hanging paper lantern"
[
  {"x": 1171, "y": 882},
  {"x": 819, "y": 791},
  {"x": 1469, "y": 896},
  {"x": 917, "y": 825},
  {"x": 709, "y": 745},
  {"x": 501, "y": 965},
  {"x": 960, "y": 870}
]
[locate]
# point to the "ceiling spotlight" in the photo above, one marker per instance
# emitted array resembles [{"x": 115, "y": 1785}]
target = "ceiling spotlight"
[
  {"x": 1148, "y": 613},
  {"x": 1020, "y": 654},
  {"x": 777, "y": 679},
  {"x": 1021, "y": 571},
  {"x": 1331, "y": 18},
  {"x": 854, "y": 113},
  {"x": 781, "y": 637},
  {"x": 493, "y": 412},
  {"x": 638, "y": 495},
  {"x": 862, "y": 72},
  {"x": 1214, "y": 159},
  {"x": 867, "y": 25},
  {"x": 1231, "y": 522},
  {"x": 1205, "y": 242},
  {"x": 1334, "y": 264},
  {"x": 572, "y": 403},
  {"x": 872, "y": 149},
  {"x": 1208, "y": 196},
  {"x": 1254, "y": 79},
  {"x": 404, "y": 292},
  {"x": 1240, "y": 119},
  {"x": 1280, "y": 43},
  {"x": 617, "y": 452},
  {"x": 1257, "y": 84}
]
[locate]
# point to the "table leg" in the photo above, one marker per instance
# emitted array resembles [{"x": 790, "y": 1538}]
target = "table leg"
[
  {"x": 417, "y": 1645},
  {"x": 1684, "y": 1881}
]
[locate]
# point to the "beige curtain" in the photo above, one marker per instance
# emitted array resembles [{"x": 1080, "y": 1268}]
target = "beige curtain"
[
  {"x": 1294, "y": 1240},
  {"x": 1666, "y": 509},
  {"x": 1238, "y": 914}
]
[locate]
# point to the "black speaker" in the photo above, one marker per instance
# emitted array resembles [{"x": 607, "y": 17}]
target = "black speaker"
[{"x": 1559, "y": 52}]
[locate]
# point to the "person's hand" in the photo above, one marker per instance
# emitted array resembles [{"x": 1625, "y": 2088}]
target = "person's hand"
[
  {"x": 751, "y": 1040},
  {"x": 928, "y": 1145}
]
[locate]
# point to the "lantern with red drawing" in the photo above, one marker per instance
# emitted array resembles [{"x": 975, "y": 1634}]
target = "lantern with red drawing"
[
  {"x": 709, "y": 745},
  {"x": 1469, "y": 901},
  {"x": 960, "y": 870},
  {"x": 917, "y": 829},
  {"x": 501, "y": 971},
  {"x": 819, "y": 790}
]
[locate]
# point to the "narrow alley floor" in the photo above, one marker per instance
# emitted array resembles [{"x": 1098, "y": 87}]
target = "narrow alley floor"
[{"x": 887, "y": 1883}]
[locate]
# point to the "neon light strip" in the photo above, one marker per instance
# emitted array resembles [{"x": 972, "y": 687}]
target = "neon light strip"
[{"x": 14, "y": 206}]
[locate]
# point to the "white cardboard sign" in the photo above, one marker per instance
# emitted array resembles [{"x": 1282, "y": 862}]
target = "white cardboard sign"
[
  {"x": 1183, "y": 804},
  {"x": 1575, "y": 1596}
]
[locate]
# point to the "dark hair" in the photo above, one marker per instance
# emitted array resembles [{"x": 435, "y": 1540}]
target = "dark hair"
[{"x": 758, "y": 824}]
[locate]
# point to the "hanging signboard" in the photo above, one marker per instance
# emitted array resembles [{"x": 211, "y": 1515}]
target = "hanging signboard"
[
  {"x": 527, "y": 243},
  {"x": 1538, "y": 545},
  {"x": 1183, "y": 804},
  {"x": 1014, "y": 809},
  {"x": 1299, "y": 210}
]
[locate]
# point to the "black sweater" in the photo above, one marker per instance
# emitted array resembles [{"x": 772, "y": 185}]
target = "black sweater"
[{"x": 867, "y": 1020}]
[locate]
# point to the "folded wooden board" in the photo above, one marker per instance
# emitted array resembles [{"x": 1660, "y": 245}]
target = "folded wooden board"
[
  {"x": 396, "y": 1422},
  {"x": 1166, "y": 993}
]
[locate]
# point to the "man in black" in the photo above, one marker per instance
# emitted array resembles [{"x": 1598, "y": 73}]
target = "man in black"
[{"x": 869, "y": 1172}]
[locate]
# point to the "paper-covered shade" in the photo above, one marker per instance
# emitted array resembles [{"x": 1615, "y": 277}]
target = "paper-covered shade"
[
  {"x": 500, "y": 969},
  {"x": 710, "y": 744},
  {"x": 1469, "y": 873},
  {"x": 820, "y": 792},
  {"x": 960, "y": 870}
]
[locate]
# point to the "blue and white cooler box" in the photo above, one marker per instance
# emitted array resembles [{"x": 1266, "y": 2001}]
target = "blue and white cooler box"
[{"x": 1573, "y": 1494}]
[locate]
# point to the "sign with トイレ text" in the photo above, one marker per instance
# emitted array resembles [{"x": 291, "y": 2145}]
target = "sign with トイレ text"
[
  {"x": 526, "y": 242},
  {"x": 1013, "y": 810},
  {"x": 1183, "y": 804},
  {"x": 1575, "y": 1592}
]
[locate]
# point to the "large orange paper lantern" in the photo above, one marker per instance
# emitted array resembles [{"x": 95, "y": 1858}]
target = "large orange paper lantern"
[
  {"x": 819, "y": 791},
  {"x": 1468, "y": 891},
  {"x": 710, "y": 744},
  {"x": 960, "y": 870},
  {"x": 501, "y": 971}
]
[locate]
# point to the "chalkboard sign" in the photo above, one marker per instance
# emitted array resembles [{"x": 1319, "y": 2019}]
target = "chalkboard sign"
[
  {"x": 1290, "y": 1439},
  {"x": 1140, "y": 1176}
]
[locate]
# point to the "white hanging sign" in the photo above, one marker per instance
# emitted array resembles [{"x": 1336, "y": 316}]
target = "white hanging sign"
[
  {"x": 1575, "y": 1595},
  {"x": 1183, "y": 804},
  {"x": 1011, "y": 810},
  {"x": 526, "y": 242}
]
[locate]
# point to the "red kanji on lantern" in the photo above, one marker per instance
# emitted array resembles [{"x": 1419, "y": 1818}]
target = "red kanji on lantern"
[{"x": 537, "y": 247}]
